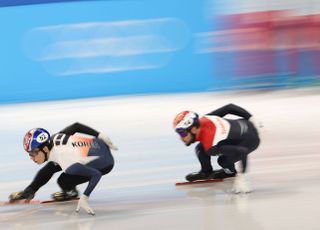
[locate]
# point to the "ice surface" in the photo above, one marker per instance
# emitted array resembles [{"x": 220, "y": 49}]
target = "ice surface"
[{"x": 140, "y": 193}]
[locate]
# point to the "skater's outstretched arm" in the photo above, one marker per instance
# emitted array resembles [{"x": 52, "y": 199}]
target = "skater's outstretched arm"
[
  {"x": 231, "y": 109},
  {"x": 42, "y": 177}
]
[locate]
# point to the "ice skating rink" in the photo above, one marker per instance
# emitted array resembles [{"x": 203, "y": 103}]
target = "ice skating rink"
[{"x": 140, "y": 192}]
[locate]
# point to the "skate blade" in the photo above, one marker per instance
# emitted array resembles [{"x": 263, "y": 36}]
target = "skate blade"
[
  {"x": 58, "y": 201},
  {"x": 198, "y": 182},
  {"x": 19, "y": 202},
  {"x": 33, "y": 202}
]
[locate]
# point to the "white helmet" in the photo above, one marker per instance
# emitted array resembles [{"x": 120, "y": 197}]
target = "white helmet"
[{"x": 185, "y": 120}]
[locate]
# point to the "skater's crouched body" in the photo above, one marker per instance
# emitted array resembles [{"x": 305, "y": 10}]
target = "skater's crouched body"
[{"x": 81, "y": 158}]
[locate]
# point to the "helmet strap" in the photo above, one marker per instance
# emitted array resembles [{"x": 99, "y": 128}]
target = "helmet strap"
[
  {"x": 193, "y": 137},
  {"x": 45, "y": 156}
]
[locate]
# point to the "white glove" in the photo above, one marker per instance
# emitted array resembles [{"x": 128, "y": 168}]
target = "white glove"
[
  {"x": 257, "y": 124},
  {"x": 83, "y": 203},
  {"x": 241, "y": 184},
  {"x": 107, "y": 140}
]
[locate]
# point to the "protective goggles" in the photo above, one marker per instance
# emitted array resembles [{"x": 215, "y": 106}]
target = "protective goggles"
[{"x": 182, "y": 132}]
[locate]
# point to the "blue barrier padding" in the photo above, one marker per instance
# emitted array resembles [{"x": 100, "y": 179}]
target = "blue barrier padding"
[{"x": 4, "y": 3}]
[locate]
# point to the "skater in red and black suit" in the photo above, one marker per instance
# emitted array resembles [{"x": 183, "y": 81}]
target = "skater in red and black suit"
[
  {"x": 229, "y": 139},
  {"x": 83, "y": 158}
]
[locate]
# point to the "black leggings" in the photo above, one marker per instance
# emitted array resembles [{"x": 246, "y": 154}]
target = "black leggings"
[
  {"x": 68, "y": 182},
  {"x": 229, "y": 151}
]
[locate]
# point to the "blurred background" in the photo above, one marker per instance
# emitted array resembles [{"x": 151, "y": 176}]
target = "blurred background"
[{"x": 78, "y": 49}]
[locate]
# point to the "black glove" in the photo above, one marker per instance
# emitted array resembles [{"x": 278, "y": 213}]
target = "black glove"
[{"x": 27, "y": 194}]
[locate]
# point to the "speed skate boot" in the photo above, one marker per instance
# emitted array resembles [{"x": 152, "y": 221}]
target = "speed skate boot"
[
  {"x": 65, "y": 195},
  {"x": 199, "y": 176},
  {"x": 223, "y": 173}
]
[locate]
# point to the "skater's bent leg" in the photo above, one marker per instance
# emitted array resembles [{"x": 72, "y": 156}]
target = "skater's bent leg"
[
  {"x": 84, "y": 170},
  {"x": 103, "y": 152},
  {"x": 106, "y": 170},
  {"x": 231, "y": 154},
  {"x": 68, "y": 182}
]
